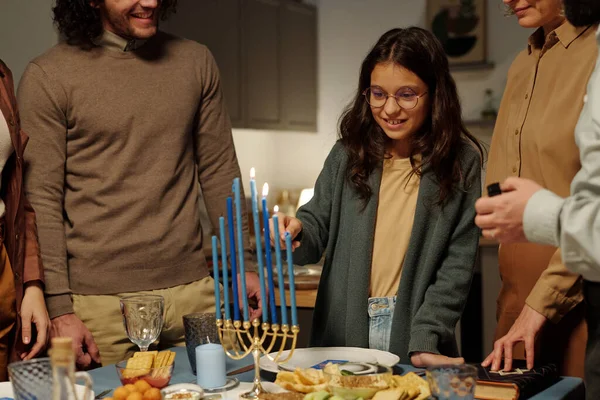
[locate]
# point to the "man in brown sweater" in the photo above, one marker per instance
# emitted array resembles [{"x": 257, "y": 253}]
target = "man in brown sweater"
[{"x": 124, "y": 121}]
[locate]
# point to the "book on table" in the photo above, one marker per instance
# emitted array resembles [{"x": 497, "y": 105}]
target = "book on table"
[{"x": 518, "y": 384}]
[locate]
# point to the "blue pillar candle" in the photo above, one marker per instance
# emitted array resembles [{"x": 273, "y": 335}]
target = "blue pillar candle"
[
  {"x": 268, "y": 256},
  {"x": 225, "y": 267},
  {"x": 210, "y": 366},
  {"x": 240, "y": 240},
  {"x": 215, "y": 255},
  {"x": 259, "y": 254},
  {"x": 280, "y": 276},
  {"x": 290, "y": 262},
  {"x": 232, "y": 258}
]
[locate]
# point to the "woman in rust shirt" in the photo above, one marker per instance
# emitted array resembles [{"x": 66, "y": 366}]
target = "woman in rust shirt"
[
  {"x": 24, "y": 322},
  {"x": 534, "y": 138}
]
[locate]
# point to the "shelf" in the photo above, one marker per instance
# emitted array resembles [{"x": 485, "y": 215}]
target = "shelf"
[{"x": 476, "y": 66}]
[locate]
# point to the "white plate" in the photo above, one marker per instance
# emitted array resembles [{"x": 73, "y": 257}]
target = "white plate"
[
  {"x": 245, "y": 387},
  {"x": 6, "y": 390},
  {"x": 306, "y": 358}
]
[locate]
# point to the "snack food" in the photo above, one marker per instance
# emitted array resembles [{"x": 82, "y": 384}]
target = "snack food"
[
  {"x": 302, "y": 380},
  {"x": 153, "y": 367}
]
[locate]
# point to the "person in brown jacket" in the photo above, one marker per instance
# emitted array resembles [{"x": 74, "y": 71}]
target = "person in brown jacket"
[
  {"x": 540, "y": 300},
  {"x": 21, "y": 272}
]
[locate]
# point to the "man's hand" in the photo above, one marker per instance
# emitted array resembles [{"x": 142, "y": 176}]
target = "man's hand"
[
  {"x": 422, "y": 360},
  {"x": 501, "y": 217},
  {"x": 84, "y": 346},
  {"x": 525, "y": 329},
  {"x": 33, "y": 310},
  {"x": 253, "y": 292}
]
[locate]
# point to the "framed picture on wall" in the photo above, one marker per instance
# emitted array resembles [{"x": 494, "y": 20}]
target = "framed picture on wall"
[{"x": 460, "y": 25}]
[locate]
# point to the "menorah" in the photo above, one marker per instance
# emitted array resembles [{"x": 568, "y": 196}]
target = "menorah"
[
  {"x": 268, "y": 339},
  {"x": 251, "y": 340}
]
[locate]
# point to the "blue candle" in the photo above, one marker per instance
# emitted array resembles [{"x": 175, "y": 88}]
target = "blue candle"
[
  {"x": 269, "y": 261},
  {"x": 290, "y": 262},
  {"x": 232, "y": 257},
  {"x": 215, "y": 255},
  {"x": 210, "y": 366},
  {"x": 240, "y": 240},
  {"x": 280, "y": 276},
  {"x": 225, "y": 267},
  {"x": 261, "y": 268}
]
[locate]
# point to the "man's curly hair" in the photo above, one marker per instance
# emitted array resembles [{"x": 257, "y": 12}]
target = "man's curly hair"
[{"x": 80, "y": 23}]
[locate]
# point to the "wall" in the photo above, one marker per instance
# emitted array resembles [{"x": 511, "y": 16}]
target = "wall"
[
  {"x": 25, "y": 31},
  {"x": 347, "y": 29}
]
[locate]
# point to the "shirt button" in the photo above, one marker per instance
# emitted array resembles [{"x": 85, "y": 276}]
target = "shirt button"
[
  {"x": 526, "y": 96},
  {"x": 516, "y": 132},
  {"x": 17, "y": 236},
  {"x": 514, "y": 170},
  {"x": 11, "y": 121}
]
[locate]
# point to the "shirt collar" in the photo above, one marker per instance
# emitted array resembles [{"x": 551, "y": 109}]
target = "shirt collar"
[
  {"x": 113, "y": 41},
  {"x": 565, "y": 34}
]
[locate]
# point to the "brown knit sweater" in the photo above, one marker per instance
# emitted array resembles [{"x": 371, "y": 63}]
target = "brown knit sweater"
[{"x": 119, "y": 142}]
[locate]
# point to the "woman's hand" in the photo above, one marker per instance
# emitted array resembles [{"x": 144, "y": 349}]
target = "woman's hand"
[
  {"x": 423, "y": 360},
  {"x": 286, "y": 224},
  {"x": 33, "y": 310}
]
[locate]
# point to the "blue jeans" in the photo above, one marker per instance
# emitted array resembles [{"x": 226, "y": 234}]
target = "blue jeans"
[{"x": 381, "y": 312}]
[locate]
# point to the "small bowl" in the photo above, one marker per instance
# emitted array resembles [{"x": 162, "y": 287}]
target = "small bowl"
[
  {"x": 156, "y": 377},
  {"x": 182, "y": 391},
  {"x": 355, "y": 380}
]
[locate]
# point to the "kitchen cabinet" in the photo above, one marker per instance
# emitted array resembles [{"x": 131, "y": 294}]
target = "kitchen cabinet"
[{"x": 266, "y": 51}]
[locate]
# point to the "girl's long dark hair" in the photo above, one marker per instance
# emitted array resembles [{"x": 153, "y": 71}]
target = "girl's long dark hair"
[
  {"x": 79, "y": 23},
  {"x": 438, "y": 140}
]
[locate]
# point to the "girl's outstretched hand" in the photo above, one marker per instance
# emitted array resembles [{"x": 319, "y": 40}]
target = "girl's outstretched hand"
[{"x": 286, "y": 224}]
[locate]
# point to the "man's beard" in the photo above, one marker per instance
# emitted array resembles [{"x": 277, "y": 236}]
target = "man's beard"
[{"x": 582, "y": 12}]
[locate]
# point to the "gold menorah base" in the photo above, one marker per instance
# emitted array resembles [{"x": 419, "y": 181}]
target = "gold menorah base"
[{"x": 250, "y": 340}]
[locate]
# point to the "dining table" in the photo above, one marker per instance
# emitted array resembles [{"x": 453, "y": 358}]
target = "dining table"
[{"x": 106, "y": 378}]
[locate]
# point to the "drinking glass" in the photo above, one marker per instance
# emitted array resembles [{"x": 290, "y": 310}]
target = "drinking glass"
[
  {"x": 199, "y": 328},
  {"x": 143, "y": 317},
  {"x": 452, "y": 382}
]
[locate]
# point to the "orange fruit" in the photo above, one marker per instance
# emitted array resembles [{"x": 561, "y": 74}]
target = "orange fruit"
[
  {"x": 135, "y": 396},
  {"x": 120, "y": 393},
  {"x": 131, "y": 388},
  {"x": 142, "y": 386},
  {"x": 151, "y": 394}
]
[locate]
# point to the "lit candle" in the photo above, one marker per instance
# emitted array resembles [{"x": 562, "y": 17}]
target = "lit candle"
[
  {"x": 225, "y": 267},
  {"x": 240, "y": 243},
  {"x": 280, "y": 276},
  {"x": 261, "y": 267},
  {"x": 232, "y": 258},
  {"x": 290, "y": 261},
  {"x": 269, "y": 261},
  {"x": 215, "y": 255}
]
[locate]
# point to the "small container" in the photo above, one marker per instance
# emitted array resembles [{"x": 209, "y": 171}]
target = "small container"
[
  {"x": 156, "y": 377},
  {"x": 182, "y": 391}
]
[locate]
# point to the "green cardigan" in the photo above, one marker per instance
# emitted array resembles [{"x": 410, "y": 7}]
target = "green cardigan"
[{"x": 437, "y": 270}]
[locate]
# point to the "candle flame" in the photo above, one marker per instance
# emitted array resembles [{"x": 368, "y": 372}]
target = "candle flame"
[
  {"x": 276, "y": 209},
  {"x": 265, "y": 189},
  {"x": 252, "y": 173}
]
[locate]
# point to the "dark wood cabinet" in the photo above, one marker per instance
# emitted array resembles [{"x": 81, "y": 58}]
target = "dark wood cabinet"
[
  {"x": 299, "y": 66},
  {"x": 262, "y": 58},
  {"x": 266, "y": 51}
]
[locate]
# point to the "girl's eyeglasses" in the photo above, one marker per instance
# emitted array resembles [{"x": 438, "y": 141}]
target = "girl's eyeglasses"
[{"x": 405, "y": 98}]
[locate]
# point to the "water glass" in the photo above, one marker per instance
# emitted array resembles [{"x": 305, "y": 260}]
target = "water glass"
[
  {"x": 199, "y": 328},
  {"x": 452, "y": 382},
  {"x": 33, "y": 380},
  {"x": 143, "y": 318}
]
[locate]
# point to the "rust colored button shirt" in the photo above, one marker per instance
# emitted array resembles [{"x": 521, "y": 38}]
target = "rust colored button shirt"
[{"x": 534, "y": 138}]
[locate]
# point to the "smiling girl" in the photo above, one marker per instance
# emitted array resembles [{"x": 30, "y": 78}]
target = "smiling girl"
[{"x": 393, "y": 209}]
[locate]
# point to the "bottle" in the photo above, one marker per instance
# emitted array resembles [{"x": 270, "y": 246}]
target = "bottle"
[{"x": 62, "y": 359}]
